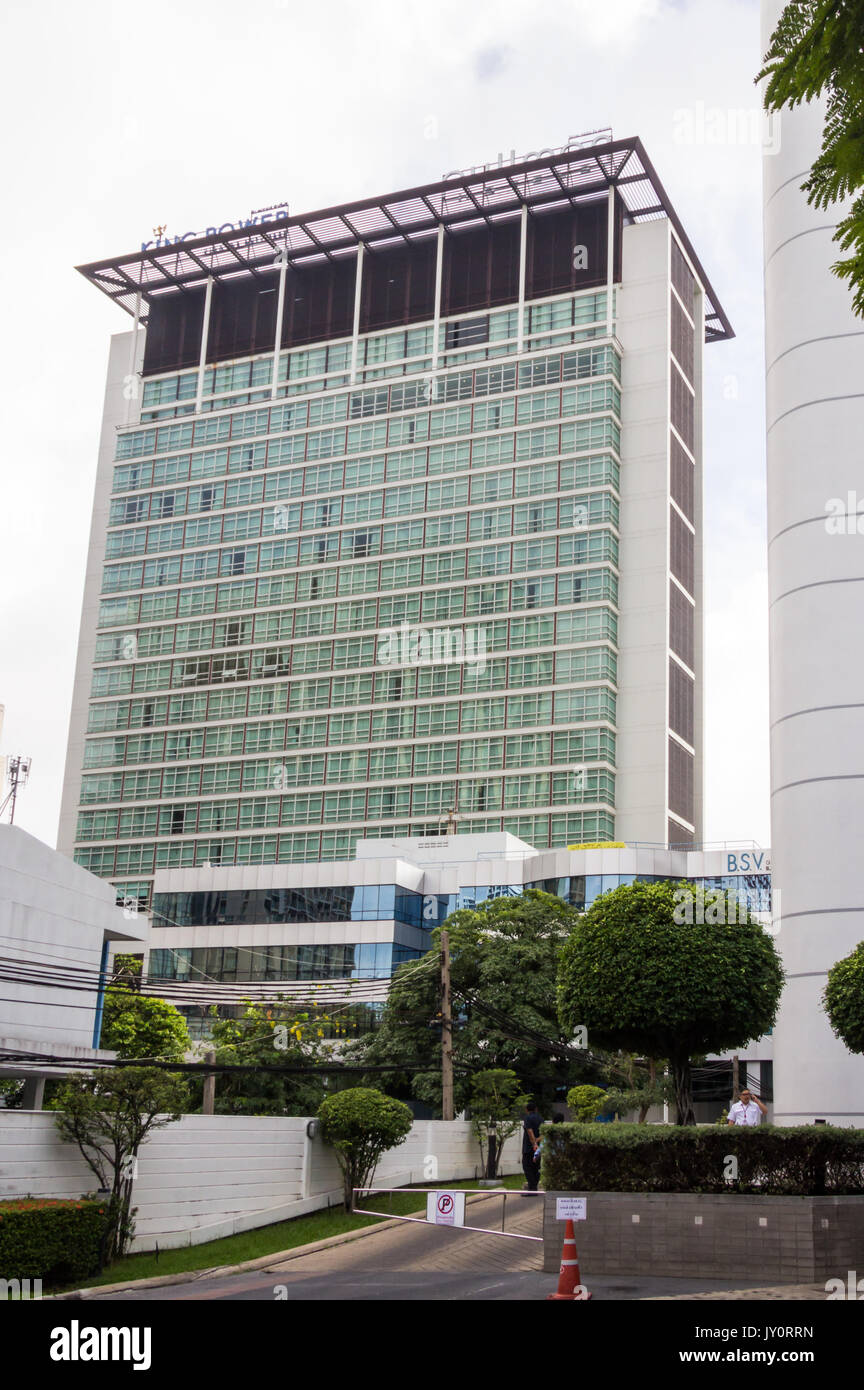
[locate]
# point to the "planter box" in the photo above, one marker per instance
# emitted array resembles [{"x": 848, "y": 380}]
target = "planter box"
[{"x": 763, "y": 1240}]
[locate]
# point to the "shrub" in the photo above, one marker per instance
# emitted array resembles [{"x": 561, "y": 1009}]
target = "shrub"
[
  {"x": 54, "y": 1241},
  {"x": 844, "y": 999},
  {"x": 586, "y": 1102},
  {"x": 804, "y": 1161},
  {"x": 361, "y": 1124}
]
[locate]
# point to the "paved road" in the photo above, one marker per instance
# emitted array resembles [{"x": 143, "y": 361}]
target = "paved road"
[{"x": 413, "y": 1261}]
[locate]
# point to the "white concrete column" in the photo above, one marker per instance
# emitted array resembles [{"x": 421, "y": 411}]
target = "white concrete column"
[
  {"x": 523, "y": 262},
  {"x": 439, "y": 277},
  {"x": 205, "y": 330},
  {"x": 358, "y": 295},
  {"x": 280, "y": 313},
  {"x": 610, "y": 263},
  {"x": 133, "y": 356},
  {"x": 814, "y": 362}
]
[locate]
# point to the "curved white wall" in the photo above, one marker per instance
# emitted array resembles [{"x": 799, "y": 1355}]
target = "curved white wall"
[{"x": 815, "y": 433}]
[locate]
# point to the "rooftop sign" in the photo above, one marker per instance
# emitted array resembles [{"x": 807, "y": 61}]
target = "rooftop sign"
[{"x": 257, "y": 218}]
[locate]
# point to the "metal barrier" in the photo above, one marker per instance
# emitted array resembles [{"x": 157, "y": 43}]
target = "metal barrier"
[{"x": 468, "y": 1191}]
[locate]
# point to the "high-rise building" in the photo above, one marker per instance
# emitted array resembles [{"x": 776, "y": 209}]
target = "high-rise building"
[{"x": 398, "y": 526}]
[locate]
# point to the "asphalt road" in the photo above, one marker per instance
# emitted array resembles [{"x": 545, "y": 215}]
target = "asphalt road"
[{"x": 415, "y": 1262}]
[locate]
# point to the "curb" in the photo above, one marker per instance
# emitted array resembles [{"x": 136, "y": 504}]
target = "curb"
[{"x": 190, "y": 1276}]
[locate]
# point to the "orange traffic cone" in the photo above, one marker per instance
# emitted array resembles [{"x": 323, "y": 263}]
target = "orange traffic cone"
[{"x": 569, "y": 1280}]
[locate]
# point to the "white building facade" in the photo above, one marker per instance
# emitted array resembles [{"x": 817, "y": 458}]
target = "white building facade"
[
  {"x": 815, "y": 424},
  {"x": 59, "y": 927}
]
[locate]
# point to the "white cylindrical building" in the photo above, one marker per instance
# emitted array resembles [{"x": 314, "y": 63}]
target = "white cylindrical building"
[{"x": 815, "y": 457}]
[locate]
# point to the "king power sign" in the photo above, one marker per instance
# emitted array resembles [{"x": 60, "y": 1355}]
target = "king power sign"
[{"x": 259, "y": 218}]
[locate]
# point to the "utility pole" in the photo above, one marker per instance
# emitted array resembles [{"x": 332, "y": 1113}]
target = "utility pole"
[
  {"x": 209, "y": 1097},
  {"x": 19, "y": 771},
  {"x": 735, "y": 1077},
  {"x": 446, "y": 1032}
]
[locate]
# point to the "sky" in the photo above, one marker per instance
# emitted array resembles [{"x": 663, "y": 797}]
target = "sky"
[{"x": 119, "y": 118}]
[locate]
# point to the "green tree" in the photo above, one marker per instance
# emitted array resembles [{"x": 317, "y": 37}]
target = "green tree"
[
  {"x": 361, "y": 1124},
  {"x": 844, "y": 999},
  {"x": 496, "y": 1099},
  {"x": 109, "y": 1115},
  {"x": 638, "y": 975},
  {"x": 636, "y": 1084},
  {"x": 140, "y": 1027},
  {"x": 503, "y": 968},
  {"x": 586, "y": 1102},
  {"x": 816, "y": 50},
  {"x": 269, "y": 1036}
]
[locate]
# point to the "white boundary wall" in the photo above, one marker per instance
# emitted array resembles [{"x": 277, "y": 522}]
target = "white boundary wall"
[{"x": 209, "y": 1176}]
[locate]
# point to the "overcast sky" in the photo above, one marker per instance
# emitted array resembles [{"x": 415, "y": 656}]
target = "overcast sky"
[{"x": 120, "y": 117}]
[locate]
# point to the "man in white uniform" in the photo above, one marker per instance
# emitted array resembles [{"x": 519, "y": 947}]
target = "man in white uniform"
[{"x": 749, "y": 1110}]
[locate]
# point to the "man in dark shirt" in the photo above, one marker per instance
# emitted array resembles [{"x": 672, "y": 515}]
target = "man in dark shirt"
[{"x": 531, "y": 1123}]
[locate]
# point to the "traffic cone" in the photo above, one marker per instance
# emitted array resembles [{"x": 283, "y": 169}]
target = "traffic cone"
[{"x": 569, "y": 1280}]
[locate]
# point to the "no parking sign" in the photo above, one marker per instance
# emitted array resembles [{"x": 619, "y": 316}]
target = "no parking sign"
[{"x": 445, "y": 1208}]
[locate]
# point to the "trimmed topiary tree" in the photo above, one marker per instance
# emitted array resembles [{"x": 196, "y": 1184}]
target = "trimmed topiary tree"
[
  {"x": 586, "y": 1102},
  {"x": 844, "y": 999},
  {"x": 361, "y": 1124},
  {"x": 667, "y": 970}
]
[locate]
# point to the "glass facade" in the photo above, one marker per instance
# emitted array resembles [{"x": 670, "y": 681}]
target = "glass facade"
[
  {"x": 255, "y": 907},
  {"x": 354, "y": 961},
  {"x": 344, "y": 611}
]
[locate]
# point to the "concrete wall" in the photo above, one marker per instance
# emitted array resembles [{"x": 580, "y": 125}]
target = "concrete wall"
[
  {"x": 208, "y": 1176},
  {"x": 796, "y": 1240}
]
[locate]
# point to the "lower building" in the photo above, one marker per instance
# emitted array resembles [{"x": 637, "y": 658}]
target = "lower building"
[
  {"x": 355, "y": 920},
  {"x": 58, "y": 927}
]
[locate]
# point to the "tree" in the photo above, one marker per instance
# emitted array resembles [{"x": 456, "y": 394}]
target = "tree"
[
  {"x": 270, "y": 1035},
  {"x": 109, "y": 1115},
  {"x": 361, "y": 1124},
  {"x": 503, "y": 968},
  {"x": 636, "y": 974},
  {"x": 586, "y": 1102},
  {"x": 816, "y": 49},
  {"x": 495, "y": 1103},
  {"x": 844, "y": 999},
  {"x": 637, "y": 1084},
  {"x": 137, "y": 1026}
]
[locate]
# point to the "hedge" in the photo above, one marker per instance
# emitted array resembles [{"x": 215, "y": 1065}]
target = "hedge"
[
  {"x": 805, "y": 1161},
  {"x": 54, "y": 1241}
]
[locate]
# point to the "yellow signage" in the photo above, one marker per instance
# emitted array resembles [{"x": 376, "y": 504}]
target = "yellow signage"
[{"x": 600, "y": 844}]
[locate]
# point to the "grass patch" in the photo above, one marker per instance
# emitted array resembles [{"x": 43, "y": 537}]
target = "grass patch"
[{"x": 268, "y": 1240}]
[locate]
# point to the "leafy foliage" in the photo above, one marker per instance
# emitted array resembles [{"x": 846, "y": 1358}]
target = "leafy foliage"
[
  {"x": 361, "y": 1124},
  {"x": 586, "y": 1102},
  {"x": 844, "y": 999},
  {"x": 141, "y": 1028},
  {"x": 271, "y": 1035},
  {"x": 816, "y": 50},
  {"x": 637, "y": 979},
  {"x": 496, "y": 1100},
  {"x": 636, "y": 1084},
  {"x": 503, "y": 966},
  {"x": 109, "y": 1115},
  {"x": 55, "y": 1241},
  {"x": 801, "y": 1161}
]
